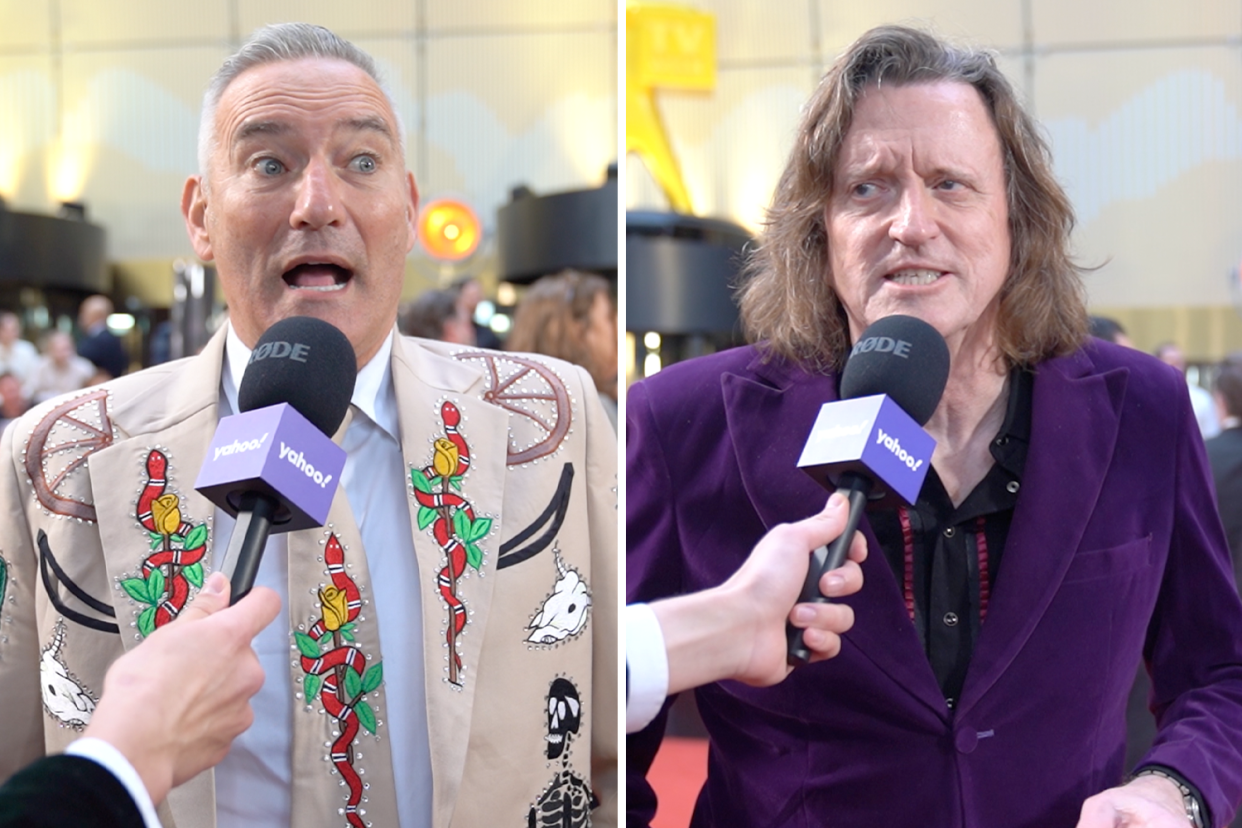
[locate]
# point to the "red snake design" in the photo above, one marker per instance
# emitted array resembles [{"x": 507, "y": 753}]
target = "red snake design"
[
  {"x": 444, "y": 502},
  {"x": 332, "y": 666},
  {"x": 178, "y": 588}
]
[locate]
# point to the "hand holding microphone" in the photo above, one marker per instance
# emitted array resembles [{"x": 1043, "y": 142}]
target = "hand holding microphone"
[
  {"x": 273, "y": 465},
  {"x": 870, "y": 444}
]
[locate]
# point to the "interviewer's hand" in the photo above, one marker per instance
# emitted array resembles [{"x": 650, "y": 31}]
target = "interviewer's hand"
[
  {"x": 1146, "y": 802},
  {"x": 737, "y": 630},
  {"x": 174, "y": 704}
]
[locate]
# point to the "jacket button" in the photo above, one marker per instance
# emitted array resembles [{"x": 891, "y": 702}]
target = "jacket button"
[
  {"x": 966, "y": 740},
  {"x": 950, "y": 619}
]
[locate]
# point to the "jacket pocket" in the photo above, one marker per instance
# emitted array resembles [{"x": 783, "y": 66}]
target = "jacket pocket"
[{"x": 1089, "y": 565}]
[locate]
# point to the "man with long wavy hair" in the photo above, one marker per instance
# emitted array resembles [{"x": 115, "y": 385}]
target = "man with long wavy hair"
[{"x": 1065, "y": 530}]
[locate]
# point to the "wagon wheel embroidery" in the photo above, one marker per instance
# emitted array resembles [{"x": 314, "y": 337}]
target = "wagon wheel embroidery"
[
  {"x": 533, "y": 391},
  {"x": 337, "y": 673},
  {"x": 453, "y": 524},
  {"x": 178, "y": 548},
  {"x": 41, "y": 449}
]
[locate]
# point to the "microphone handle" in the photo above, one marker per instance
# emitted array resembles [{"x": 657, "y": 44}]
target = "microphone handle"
[
  {"x": 241, "y": 559},
  {"x": 855, "y": 487}
]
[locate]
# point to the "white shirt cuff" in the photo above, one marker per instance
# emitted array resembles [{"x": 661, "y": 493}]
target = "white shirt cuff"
[
  {"x": 646, "y": 663},
  {"x": 115, "y": 762}
]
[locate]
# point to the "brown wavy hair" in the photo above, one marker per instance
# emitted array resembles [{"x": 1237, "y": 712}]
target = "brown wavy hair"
[
  {"x": 787, "y": 299},
  {"x": 553, "y": 318}
]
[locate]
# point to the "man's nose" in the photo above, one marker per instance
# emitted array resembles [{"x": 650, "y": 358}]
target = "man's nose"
[
  {"x": 914, "y": 221},
  {"x": 318, "y": 201}
]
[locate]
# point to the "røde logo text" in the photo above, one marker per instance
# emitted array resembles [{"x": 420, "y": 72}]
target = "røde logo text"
[
  {"x": 882, "y": 345},
  {"x": 894, "y": 445},
  {"x": 279, "y": 350}
]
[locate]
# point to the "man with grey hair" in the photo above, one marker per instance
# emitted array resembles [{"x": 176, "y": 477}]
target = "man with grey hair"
[{"x": 453, "y": 624}]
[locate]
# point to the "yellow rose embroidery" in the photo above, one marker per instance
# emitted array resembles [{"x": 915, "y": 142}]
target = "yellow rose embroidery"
[
  {"x": 166, "y": 514},
  {"x": 335, "y": 607},
  {"x": 445, "y": 460}
]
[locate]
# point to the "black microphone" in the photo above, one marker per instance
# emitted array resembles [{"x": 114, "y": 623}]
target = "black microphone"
[
  {"x": 870, "y": 443},
  {"x": 273, "y": 465}
]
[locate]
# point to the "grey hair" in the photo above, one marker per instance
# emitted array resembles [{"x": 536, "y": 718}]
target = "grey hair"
[{"x": 272, "y": 44}]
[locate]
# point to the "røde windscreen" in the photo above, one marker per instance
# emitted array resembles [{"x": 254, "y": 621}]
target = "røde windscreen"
[
  {"x": 274, "y": 465},
  {"x": 870, "y": 443}
]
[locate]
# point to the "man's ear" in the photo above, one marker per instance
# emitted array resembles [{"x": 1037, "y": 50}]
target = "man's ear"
[
  {"x": 194, "y": 211},
  {"x": 411, "y": 212}
]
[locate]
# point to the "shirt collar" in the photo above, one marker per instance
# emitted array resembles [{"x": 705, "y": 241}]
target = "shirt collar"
[{"x": 373, "y": 390}]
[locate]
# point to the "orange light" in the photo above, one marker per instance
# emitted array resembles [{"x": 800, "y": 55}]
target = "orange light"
[{"x": 449, "y": 230}]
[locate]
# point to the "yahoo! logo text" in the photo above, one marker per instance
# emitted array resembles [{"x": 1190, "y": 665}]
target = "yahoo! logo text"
[
  {"x": 894, "y": 445},
  {"x": 299, "y": 461}
]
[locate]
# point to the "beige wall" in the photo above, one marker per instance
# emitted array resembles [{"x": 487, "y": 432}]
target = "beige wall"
[
  {"x": 99, "y": 102},
  {"x": 1140, "y": 99}
]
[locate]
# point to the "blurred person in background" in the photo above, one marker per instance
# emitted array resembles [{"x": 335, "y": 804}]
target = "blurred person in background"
[
  {"x": 59, "y": 371},
  {"x": 1170, "y": 353},
  {"x": 572, "y": 316},
  {"x": 13, "y": 402},
  {"x": 17, "y": 356},
  {"x": 469, "y": 292},
  {"x": 1109, "y": 330},
  {"x": 1224, "y": 453},
  {"x": 101, "y": 346},
  {"x": 435, "y": 314}
]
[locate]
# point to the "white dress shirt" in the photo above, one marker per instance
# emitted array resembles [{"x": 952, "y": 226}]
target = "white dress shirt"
[
  {"x": 646, "y": 667},
  {"x": 254, "y": 782}
]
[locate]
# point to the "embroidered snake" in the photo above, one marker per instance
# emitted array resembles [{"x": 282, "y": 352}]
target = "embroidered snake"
[
  {"x": 341, "y": 667},
  {"x": 453, "y": 522},
  {"x": 160, "y": 515}
]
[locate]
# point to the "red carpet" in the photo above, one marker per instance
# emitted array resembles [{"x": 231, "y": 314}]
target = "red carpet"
[{"x": 677, "y": 774}]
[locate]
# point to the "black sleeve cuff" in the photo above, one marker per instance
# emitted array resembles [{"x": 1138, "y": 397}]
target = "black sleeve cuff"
[{"x": 67, "y": 790}]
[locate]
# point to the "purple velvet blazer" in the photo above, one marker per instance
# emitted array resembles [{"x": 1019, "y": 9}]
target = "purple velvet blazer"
[{"x": 1115, "y": 553}]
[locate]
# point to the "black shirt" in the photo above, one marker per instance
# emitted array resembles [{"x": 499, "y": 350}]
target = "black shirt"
[{"x": 937, "y": 551}]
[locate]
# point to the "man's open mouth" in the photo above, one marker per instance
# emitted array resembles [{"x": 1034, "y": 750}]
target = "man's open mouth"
[
  {"x": 318, "y": 276},
  {"x": 914, "y": 277}
]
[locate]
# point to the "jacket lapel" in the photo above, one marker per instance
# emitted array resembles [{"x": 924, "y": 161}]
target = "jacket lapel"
[
  {"x": 439, "y": 399},
  {"x": 180, "y": 433},
  {"x": 768, "y": 423},
  {"x": 1074, "y": 422}
]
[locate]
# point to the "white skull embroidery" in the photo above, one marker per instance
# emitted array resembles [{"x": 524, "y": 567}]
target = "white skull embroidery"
[
  {"x": 67, "y": 701},
  {"x": 564, "y": 613}
]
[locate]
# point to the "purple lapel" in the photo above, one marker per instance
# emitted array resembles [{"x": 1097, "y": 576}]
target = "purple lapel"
[
  {"x": 768, "y": 425},
  {"x": 1075, "y": 416}
]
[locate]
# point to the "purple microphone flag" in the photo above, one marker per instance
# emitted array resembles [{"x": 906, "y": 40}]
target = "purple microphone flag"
[
  {"x": 277, "y": 451},
  {"x": 871, "y": 434}
]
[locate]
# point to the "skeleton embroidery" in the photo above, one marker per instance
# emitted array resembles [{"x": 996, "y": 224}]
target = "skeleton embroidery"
[
  {"x": 453, "y": 524},
  {"x": 532, "y": 390},
  {"x": 337, "y": 673},
  {"x": 60, "y": 444},
  {"x": 65, "y": 699},
  {"x": 567, "y": 801},
  {"x": 564, "y": 612},
  {"x": 178, "y": 548}
]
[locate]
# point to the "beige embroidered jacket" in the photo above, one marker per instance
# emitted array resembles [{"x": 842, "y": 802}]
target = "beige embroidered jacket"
[{"x": 98, "y": 488}]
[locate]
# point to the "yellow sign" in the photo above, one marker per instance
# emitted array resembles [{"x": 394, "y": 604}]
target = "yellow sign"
[{"x": 667, "y": 47}]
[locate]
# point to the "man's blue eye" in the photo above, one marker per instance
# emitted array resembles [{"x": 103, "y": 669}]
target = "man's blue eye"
[
  {"x": 364, "y": 163},
  {"x": 270, "y": 166}
]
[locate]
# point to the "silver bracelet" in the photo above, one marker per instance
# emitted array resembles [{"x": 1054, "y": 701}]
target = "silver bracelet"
[{"x": 1191, "y": 803}]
